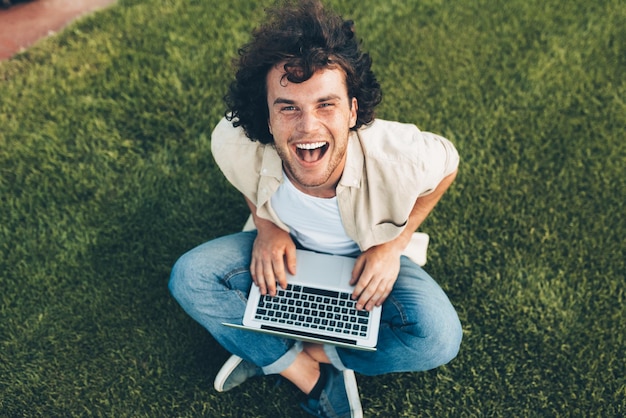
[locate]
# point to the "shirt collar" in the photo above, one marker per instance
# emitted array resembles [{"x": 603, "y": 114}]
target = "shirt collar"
[{"x": 353, "y": 171}]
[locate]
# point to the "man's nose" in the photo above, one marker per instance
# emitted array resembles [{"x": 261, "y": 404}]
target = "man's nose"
[{"x": 309, "y": 122}]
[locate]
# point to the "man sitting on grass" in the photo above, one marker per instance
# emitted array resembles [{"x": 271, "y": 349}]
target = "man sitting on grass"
[{"x": 300, "y": 127}]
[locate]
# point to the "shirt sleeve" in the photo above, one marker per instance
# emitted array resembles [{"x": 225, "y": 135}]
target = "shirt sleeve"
[
  {"x": 440, "y": 159},
  {"x": 237, "y": 156}
]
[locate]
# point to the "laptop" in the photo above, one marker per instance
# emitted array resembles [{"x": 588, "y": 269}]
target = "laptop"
[{"x": 316, "y": 307}]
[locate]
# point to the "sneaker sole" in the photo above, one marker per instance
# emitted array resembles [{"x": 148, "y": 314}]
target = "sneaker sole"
[
  {"x": 228, "y": 367},
  {"x": 352, "y": 390}
]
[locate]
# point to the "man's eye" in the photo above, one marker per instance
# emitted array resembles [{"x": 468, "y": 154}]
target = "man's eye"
[{"x": 288, "y": 108}]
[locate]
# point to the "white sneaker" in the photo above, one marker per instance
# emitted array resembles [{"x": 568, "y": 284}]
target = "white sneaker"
[{"x": 234, "y": 372}]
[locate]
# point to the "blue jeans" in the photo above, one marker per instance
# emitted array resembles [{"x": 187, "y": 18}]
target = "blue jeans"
[{"x": 420, "y": 329}]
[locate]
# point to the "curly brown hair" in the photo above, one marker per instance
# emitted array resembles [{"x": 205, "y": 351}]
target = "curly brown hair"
[{"x": 306, "y": 38}]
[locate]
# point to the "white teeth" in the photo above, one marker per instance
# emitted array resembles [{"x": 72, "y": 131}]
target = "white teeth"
[{"x": 313, "y": 145}]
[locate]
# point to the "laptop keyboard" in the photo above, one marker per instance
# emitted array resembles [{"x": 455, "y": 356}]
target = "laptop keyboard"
[{"x": 314, "y": 309}]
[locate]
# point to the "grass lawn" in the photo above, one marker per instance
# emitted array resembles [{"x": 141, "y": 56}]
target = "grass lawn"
[{"x": 106, "y": 177}]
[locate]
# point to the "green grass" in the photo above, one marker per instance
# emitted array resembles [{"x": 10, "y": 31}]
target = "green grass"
[{"x": 106, "y": 178}]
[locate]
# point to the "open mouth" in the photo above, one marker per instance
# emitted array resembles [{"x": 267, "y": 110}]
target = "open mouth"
[{"x": 311, "y": 152}]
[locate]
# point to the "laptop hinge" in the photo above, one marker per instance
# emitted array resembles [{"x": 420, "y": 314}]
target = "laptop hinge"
[{"x": 309, "y": 334}]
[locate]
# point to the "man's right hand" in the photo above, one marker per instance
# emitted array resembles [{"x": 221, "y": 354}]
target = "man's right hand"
[{"x": 272, "y": 250}]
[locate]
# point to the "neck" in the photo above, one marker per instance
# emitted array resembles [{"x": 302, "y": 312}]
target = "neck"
[{"x": 325, "y": 191}]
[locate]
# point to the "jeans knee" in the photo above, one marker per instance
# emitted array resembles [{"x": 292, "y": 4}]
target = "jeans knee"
[
  {"x": 437, "y": 343},
  {"x": 179, "y": 284},
  {"x": 446, "y": 341},
  {"x": 449, "y": 342}
]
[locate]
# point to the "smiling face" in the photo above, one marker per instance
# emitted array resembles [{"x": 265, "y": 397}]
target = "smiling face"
[{"x": 311, "y": 122}]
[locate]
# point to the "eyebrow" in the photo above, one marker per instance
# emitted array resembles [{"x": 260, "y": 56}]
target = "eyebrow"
[
  {"x": 280, "y": 100},
  {"x": 330, "y": 97}
]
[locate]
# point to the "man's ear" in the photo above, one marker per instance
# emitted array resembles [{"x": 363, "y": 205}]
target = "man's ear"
[{"x": 354, "y": 110}]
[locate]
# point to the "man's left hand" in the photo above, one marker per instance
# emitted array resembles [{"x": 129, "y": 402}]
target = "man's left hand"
[{"x": 375, "y": 272}]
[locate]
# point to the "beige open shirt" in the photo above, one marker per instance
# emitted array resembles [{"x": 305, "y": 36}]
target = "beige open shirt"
[{"x": 389, "y": 165}]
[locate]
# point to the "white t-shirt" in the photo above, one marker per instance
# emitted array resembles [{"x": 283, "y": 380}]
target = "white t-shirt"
[{"x": 313, "y": 221}]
